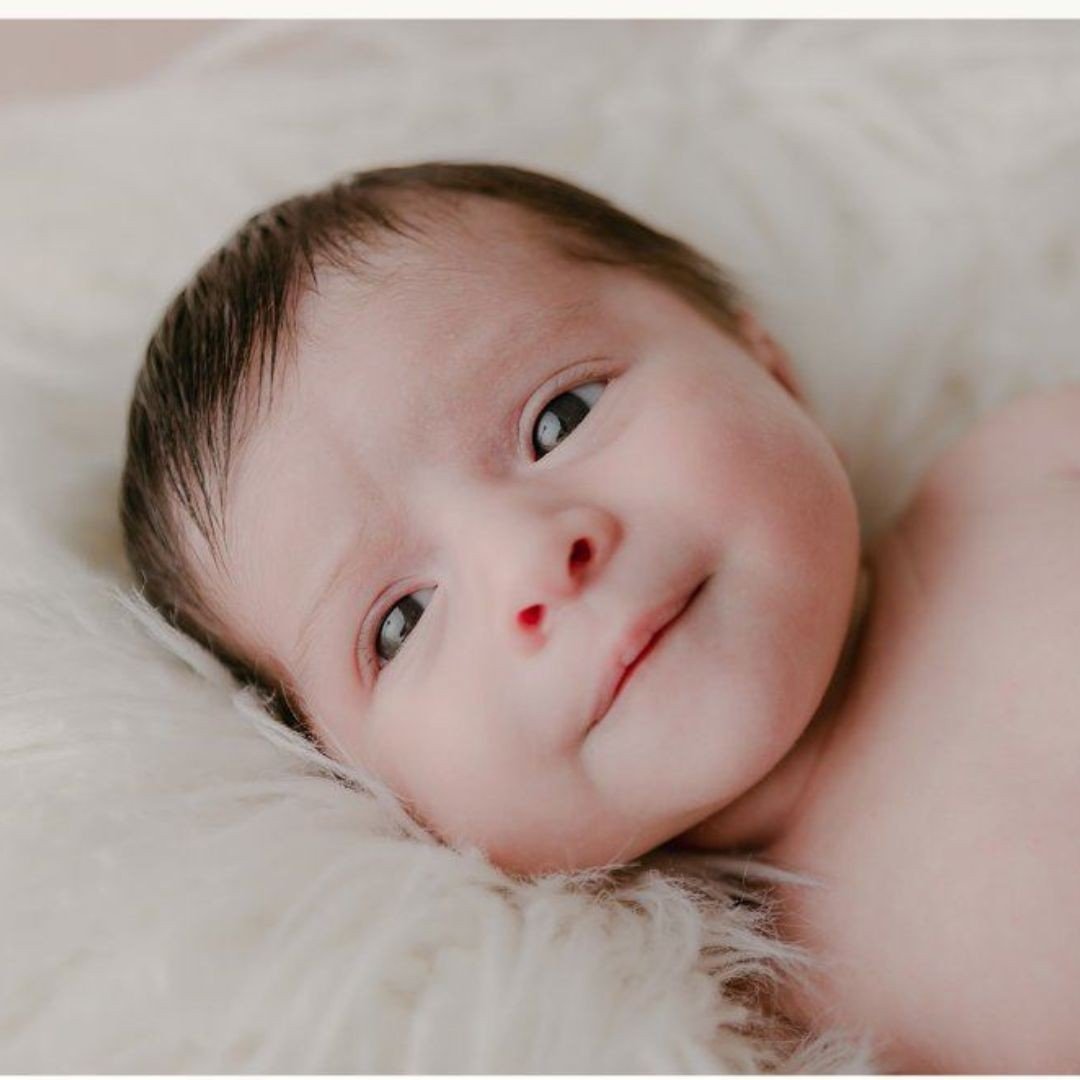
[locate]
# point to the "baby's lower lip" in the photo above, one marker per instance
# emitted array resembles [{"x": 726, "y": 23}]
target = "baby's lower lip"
[
  {"x": 644, "y": 655},
  {"x": 641, "y": 657}
]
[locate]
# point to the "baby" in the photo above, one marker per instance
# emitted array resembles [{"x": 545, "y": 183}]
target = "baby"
[{"x": 511, "y": 500}]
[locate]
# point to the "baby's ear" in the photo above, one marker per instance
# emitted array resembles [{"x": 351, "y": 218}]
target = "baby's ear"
[{"x": 770, "y": 354}]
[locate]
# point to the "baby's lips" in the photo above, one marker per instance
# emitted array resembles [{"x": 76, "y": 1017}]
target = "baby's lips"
[{"x": 634, "y": 644}]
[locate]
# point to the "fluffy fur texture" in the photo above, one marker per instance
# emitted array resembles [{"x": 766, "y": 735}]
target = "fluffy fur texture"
[{"x": 186, "y": 888}]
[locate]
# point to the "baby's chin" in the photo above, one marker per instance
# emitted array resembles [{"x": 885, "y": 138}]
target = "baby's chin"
[{"x": 582, "y": 854}]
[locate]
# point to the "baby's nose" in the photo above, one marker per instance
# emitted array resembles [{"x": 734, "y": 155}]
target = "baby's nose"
[{"x": 581, "y": 554}]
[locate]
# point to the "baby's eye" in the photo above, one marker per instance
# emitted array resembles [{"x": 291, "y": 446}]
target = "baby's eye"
[
  {"x": 562, "y": 414},
  {"x": 398, "y": 623}
]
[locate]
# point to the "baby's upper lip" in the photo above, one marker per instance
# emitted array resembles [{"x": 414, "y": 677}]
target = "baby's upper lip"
[{"x": 633, "y": 642}]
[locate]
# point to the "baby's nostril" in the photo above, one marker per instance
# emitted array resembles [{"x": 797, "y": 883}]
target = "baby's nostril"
[
  {"x": 581, "y": 552},
  {"x": 530, "y": 616}
]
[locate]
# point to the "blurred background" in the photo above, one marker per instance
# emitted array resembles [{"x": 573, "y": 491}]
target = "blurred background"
[{"x": 51, "y": 57}]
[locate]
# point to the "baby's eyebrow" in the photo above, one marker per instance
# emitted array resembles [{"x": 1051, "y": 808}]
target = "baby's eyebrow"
[{"x": 518, "y": 335}]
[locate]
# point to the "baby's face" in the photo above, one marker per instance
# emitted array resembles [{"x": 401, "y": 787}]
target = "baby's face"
[{"x": 487, "y": 479}]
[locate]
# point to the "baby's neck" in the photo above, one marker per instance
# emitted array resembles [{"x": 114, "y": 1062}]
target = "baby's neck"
[{"x": 760, "y": 816}]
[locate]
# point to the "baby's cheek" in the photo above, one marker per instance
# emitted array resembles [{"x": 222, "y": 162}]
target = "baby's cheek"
[
  {"x": 681, "y": 440},
  {"x": 432, "y": 742},
  {"x": 791, "y": 479}
]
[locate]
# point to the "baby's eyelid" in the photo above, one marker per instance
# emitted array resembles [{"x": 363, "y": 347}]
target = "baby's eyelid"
[
  {"x": 367, "y": 639},
  {"x": 567, "y": 379}
]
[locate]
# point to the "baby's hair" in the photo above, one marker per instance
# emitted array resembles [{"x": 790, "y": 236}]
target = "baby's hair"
[{"x": 232, "y": 327}]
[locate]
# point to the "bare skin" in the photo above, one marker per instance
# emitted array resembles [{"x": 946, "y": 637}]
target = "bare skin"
[
  {"x": 941, "y": 818},
  {"x": 934, "y": 792}
]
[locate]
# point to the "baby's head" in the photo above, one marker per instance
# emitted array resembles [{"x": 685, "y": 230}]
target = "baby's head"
[{"x": 431, "y": 454}]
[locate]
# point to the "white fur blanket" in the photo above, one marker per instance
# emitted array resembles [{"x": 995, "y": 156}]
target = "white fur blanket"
[{"x": 181, "y": 891}]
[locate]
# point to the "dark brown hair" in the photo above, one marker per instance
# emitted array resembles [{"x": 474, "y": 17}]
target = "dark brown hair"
[{"x": 230, "y": 328}]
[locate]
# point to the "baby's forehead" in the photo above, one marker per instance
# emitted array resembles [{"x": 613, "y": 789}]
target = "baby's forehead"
[
  {"x": 421, "y": 320},
  {"x": 474, "y": 296},
  {"x": 479, "y": 269}
]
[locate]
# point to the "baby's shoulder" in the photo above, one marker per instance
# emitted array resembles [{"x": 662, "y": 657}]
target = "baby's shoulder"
[
  {"x": 1030, "y": 439},
  {"x": 958, "y": 764},
  {"x": 993, "y": 523}
]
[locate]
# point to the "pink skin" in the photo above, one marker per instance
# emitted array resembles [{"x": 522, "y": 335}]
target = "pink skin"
[{"x": 697, "y": 466}]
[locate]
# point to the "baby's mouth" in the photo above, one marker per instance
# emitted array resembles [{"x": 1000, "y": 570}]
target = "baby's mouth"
[{"x": 636, "y": 644}]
